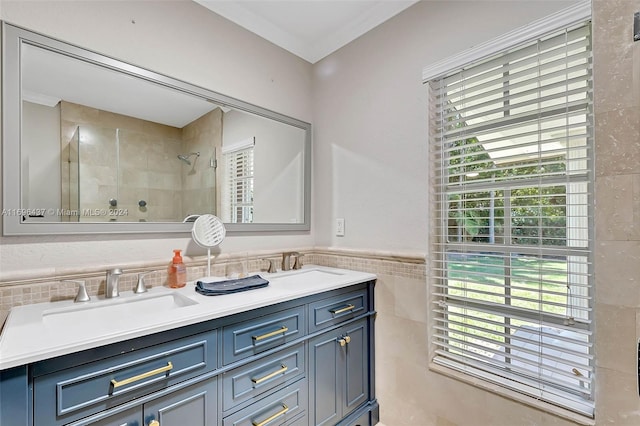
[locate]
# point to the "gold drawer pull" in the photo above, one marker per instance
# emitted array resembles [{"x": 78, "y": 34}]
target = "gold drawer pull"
[
  {"x": 117, "y": 384},
  {"x": 272, "y": 418},
  {"x": 281, "y": 330},
  {"x": 154, "y": 423},
  {"x": 349, "y": 307},
  {"x": 271, "y": 375}
]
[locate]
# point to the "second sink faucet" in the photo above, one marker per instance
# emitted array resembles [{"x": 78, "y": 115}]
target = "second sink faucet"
[{"x": 111, "y": 288}]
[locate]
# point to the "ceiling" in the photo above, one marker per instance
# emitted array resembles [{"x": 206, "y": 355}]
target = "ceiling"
[{"x": 310, "y": 29}]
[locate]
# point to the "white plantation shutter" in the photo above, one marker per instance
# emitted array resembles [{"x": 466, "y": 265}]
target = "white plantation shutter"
[
  {"x": 511, "y": 277},
  {"x": 237, "y": 205}
]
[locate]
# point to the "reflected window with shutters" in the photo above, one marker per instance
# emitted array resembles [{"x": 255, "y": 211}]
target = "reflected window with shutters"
[{"x": 237, "y": 196}]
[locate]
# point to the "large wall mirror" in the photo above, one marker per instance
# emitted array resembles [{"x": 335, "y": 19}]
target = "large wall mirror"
[{"x": 95, "y": 145}]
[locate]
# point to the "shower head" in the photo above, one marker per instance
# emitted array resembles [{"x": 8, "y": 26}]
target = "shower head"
[{"x": 186, "y": 157}]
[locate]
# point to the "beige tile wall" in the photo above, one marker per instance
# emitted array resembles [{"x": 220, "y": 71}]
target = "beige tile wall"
[
  {"x": 145, "y": 156},
  {"x": 148, "y": 166},
  {"x": 203, "y": 135},
  {"x": 617, "y": 210}
]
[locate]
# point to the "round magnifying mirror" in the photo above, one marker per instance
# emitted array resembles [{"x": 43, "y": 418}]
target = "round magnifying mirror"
[{"x": 208, "y": 231}]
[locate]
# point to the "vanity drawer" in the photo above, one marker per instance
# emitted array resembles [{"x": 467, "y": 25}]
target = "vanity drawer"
[
  {"x": 256, "y": 335},
  {"x": 251, "y": 380},
  {"x": 72, "y": 393},
  {"x": 280, "y": 408},
  {"x": 336, "y": 309}
]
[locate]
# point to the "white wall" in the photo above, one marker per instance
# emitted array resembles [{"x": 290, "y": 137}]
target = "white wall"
[
  {"x": 183, "y": 40},
  {"x": 278, "y": 165},
  {"x": 370, "y": 119}
]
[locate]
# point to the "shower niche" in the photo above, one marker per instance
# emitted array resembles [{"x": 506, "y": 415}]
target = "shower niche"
[{"x": 117, "y": 168}]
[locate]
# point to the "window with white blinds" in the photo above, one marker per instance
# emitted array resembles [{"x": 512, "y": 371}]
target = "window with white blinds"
[
  {"x": 237, "y": 199},
  {"x": 512, "y": 265}
]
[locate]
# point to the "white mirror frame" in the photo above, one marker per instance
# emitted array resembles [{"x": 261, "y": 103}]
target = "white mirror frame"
[{"x": 12, "y": 39}]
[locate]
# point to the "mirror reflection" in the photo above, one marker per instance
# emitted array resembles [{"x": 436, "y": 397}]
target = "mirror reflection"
[{"x": 102, "y": 145}]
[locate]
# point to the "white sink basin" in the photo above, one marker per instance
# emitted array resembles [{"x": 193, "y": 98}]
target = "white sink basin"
[{"x": 136, "y": 307}]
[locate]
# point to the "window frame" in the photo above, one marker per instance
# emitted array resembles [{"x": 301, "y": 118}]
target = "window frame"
[{"x": 578, "y": 13}]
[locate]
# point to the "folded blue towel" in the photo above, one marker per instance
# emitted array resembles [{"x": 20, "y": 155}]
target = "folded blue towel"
[{"x": 231, "y": 286}]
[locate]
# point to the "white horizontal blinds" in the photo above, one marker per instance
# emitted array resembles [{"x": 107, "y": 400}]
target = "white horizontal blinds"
[
  {"x": 511, "y": 273},
  {"x": 239, "y": 185}
]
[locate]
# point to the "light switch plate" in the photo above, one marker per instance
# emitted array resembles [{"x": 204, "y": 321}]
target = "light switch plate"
[{"x": 340, "y": 227}]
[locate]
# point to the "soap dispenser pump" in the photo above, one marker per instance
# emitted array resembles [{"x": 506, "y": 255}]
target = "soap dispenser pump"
[{"x": 177, "y": 271}]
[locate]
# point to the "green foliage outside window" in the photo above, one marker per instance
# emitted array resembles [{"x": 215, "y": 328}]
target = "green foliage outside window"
[{"x": 538, "y": 213}]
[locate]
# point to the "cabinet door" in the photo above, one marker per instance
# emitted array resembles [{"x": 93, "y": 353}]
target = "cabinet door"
[
  {"x": 356, "y": 374},
  {"x": 195, "y": 405},
  {"x": 339, "y": 373},
  {"x": 326, "y": 361}
]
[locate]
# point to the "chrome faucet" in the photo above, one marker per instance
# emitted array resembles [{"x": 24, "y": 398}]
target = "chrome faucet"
[{"x": 111, "y": 289}]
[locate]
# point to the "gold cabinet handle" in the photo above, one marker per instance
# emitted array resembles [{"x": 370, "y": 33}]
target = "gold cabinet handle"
[
  {"x": 349, "y": 307},
  {"x": 281, "y": 330},
  {"x": 283, "y": 369},
  {"x": 272, "y": 418},
  {"x": 154, "y": 423},
  {"x": 142, "y": 376},
  {"x": 345, "y": 340}
]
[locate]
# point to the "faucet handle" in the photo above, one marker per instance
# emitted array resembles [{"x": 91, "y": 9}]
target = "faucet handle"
[
  {"x": 142, "y": 287},
  {"x": 82, "y": 295},
  {"x": 272, "y": 266},
  {"x": 297, "y": 264}
]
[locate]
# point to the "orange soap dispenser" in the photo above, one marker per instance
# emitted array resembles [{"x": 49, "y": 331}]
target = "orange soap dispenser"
[{"x": 177, "y": 271}]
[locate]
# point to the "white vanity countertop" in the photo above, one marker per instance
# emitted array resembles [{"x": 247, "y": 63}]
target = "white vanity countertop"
[{"x": 45, "y": 330}]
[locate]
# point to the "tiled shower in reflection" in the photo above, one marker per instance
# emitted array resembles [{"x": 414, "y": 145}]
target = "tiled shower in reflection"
[{"x": 125, "y": 169}]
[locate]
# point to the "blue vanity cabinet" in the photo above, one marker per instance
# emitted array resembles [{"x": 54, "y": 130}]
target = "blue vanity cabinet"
[{"x": 305, "y": 361}]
